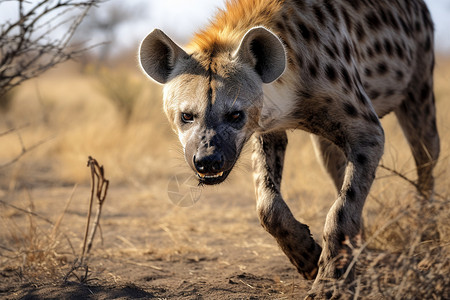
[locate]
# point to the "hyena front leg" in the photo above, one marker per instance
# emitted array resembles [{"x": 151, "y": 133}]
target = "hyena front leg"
[
  {"x": 293, "y": 237},
  {"x": 362, "y": 142}
]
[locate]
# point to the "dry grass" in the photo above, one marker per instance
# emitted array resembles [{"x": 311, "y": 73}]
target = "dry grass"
[
  {"x": 37, "y": 248},
  {"x": 408, "y": 250}
]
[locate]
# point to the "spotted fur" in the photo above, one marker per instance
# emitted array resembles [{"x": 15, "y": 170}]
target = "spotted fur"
[{"x": 331, "y": 68}]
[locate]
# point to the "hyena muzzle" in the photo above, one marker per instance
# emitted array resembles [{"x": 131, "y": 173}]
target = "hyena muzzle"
[{"x": 331, "y": 68}]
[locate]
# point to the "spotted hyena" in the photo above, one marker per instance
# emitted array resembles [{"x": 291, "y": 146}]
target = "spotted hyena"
[{"x": 331, "y": 68}]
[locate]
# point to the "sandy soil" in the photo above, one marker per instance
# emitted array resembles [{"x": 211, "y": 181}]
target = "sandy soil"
[{"x": 215, "y": 249}]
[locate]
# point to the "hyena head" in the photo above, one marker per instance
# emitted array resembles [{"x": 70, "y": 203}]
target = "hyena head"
[{"x": 213, "y": 97}]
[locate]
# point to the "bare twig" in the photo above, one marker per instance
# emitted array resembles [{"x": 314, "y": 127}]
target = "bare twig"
[
  {"x": 99, "y": 186},
  {"x": 14, "y": 129},
  {"x": 99, "y": 189},
  {"x": 27, "y": 211},
  {"x": 397, "y": 173},
  {"x": 410, "y": 181},
  {"x": 23, "y": 152},
  {"x": 24, "y": 149}
]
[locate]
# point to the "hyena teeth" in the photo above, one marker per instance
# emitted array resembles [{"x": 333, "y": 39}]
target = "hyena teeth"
[{"x": 210, "y": 176}]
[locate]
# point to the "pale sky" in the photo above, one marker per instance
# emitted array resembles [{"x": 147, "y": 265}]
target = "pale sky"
[{"x": 181, "y": 18}]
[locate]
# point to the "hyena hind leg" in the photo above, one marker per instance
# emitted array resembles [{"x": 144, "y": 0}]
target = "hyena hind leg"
[
  {"x": 332, "y": 159},
  {"x": 417, "y": 117}
]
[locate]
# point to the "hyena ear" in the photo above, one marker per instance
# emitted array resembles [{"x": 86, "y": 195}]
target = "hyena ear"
[
  {"x": 264, "y": 51},
  {"x": 158, "y": 55}
]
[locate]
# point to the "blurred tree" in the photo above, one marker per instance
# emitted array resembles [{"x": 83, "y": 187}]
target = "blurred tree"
[
  {"x": 103, "y": 25},
  {"x": 38, "y": 37}
]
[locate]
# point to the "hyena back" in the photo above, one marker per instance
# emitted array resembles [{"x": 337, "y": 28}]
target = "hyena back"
[{"x": 331, "y": 68}]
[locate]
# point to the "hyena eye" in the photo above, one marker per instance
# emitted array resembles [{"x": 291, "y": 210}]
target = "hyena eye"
[
  {"x": 187, "y": 118},
  {"x": 235, "y": 116}
]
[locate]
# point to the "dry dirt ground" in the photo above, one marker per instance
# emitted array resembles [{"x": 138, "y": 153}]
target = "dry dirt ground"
[{"x": 153, "y": 249}]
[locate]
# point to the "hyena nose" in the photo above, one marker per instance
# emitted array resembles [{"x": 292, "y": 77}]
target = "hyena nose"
[{"x": 210, "y": 164}]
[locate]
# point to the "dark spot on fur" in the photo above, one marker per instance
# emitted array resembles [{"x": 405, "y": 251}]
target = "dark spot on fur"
[
  {"x": 351, "y": 194},
  {"x": 399, "y": 50},
  {"x": 347, "y": 51},
  {"x": 300, "y": 4},
  {"x": 304, "y": 30},
  {"x": 360, "y": 31},
  {"x": 340, "y": 216},
  {"x": 350, "y": 109},
  {"x": 312, "y": 71},
  {"x": 389, "y": 93},
  {"x": 427, "y": 45},
  {"x": 377, "y": 47},
  {"x": 382, "y": 68},
  {"x": 383, "y": 16},
  {"x": 340, "y": 237},
  {"x": 411, "y": 97},
  {"x": 405, "y": 27},
  {"x": 330, "y": 52},
  {"x": 319, "y": 14},
  {"x": 373, "y": 21},
  {"x": 291, "y": 30},
  {"x": 388, "y": 47},
  {"x": 299, "y": 60},
  {"x": 373, "y": 94},
  {"x": 418, "y": 27},
  {"x": 346, "y": 76},
  {"x": 331, "y": 73},
  {"x": 361, "y": 159},
  {"x": 331, "y": 9},
  {"x": 361, "y": 97},
  {"x": 392, "y": 21},
  {"x": 370, "y": 52},
  {"x": 347, "y": 20},
  {"x": 280, "y": 26},
  {"x": 425, "y": 92},
  {"x": 304, "y": 94},
  {"x": 368, "y": 72}
]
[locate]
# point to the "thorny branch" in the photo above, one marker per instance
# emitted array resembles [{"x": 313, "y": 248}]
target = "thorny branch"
[
  {"x": 99, "y": 189},
  {"x": 24, "y": 149},
  {"x": 410, "y": 181},
  {"x": 38, "y": 38}
]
